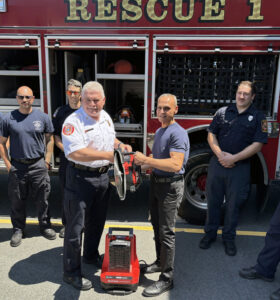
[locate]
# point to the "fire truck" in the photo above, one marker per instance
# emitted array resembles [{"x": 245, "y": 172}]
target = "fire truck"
[{"x": 198, "y": 50}]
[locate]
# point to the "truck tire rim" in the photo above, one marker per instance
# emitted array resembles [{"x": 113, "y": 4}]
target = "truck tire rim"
[{"x": 195, "y": 182}]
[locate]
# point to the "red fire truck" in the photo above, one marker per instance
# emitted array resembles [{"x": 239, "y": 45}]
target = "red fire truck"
[{"x": 198, "y": 50}]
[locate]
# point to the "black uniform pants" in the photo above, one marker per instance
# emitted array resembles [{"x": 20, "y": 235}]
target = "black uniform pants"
[
  {"x": 231, "y": 185},
  {"x": 25, "y": 180},
  {"x": 85, "y": 206},
  {"x": 269, "y": 257},
  {"x": 63, "y": 162},
  {"x": 165, "y": 199}
]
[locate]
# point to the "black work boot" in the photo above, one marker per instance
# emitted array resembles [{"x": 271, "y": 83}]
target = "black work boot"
[
  {"x": 62, "y": 232},
  {"x": 152, "y": 268},
  {"x": 48, "y": 233},
  {"x": 230, "y": 248},
  {"x": 206, "y": 242},
  {"x": 159, "y": 287},
  {"x": 16, "y": 238}
]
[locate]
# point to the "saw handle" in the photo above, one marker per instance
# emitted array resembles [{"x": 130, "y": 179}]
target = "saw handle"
[
  {"x": 111, "y": 229},
  {"x": 127, "y": 153}
]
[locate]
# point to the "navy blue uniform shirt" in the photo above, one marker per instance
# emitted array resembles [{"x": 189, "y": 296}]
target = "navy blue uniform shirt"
[
  {"x": 27, "y": 133},
  {"x": 236, "y": 131},
  {"x": 60, "y": 116}
]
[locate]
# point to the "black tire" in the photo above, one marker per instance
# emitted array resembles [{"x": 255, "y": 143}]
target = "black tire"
[{"x": 194, "y": 203}]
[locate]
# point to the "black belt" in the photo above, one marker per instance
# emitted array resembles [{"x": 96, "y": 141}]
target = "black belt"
[
  {"x": 100, "y": 170},
  {"x": 162, "y": 179},
  {"x": 27, "y": 161}
]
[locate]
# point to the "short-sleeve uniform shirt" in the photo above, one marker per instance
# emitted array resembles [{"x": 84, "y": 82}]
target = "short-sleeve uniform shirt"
[
  {"x": 81, "y": 131},
  {"x": 27, "y": 133},
  {"x": 60, "y": 116},
  {"x": 235, "y": 131}
]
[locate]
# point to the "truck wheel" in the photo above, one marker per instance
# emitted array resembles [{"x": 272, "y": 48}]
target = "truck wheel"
[{"x": 194, "y": 204}]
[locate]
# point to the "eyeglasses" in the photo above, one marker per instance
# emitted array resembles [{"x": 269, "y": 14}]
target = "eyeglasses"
[
  {"x": 20, "y": 97},
  {"x": 69, "y": 93}
]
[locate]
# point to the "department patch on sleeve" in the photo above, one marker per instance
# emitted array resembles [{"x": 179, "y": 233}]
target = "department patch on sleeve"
[
  {"x": 68, "y": 129},
  {"x": 264, "y": 125}
]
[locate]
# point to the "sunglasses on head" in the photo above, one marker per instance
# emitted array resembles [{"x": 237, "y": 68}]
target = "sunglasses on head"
[
  {"x": 26, "y": 97},
  {"x": 69, "y": 93}
]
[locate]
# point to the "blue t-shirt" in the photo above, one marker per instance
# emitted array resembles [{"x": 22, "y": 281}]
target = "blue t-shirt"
[
  {"x": 173, "y": 138},
  {"x": 236, "y": 131},
  {"x": 27, "y": 133}
]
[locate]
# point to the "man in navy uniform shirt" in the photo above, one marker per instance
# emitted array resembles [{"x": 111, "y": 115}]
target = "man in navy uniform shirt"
[
  {"x": 236, "y": 133},
  {"x": 28, "y": 130},
  {"x": 74, "y": 88}
]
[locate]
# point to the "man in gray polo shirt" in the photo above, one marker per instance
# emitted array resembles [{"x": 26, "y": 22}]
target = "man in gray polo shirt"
[{"x": 170, "y": 154}]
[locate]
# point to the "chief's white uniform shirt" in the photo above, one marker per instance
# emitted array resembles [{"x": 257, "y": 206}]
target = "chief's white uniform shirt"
[{"x": 81, "y": 131}]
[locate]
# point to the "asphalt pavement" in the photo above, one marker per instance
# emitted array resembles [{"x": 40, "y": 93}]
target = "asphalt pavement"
[{"x": 34, "y": 269}]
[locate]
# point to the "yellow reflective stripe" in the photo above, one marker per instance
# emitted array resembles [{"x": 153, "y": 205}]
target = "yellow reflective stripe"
[{"x": 150, "y": 228}]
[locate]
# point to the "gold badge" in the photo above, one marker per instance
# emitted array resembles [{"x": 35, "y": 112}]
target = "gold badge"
[{"x": 264, "y": 125}]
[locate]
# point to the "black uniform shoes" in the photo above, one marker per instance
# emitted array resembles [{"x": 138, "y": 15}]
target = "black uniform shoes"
[
  {"x": 18, "y": 235},
  {"x": 206, "y": 242},
  {"x": 78, "y": 282},
  {"x": 48, "y": 233},
  {"x": 97, "y": 261},
  {"x": 275, "y": 295},
  {"x": 230, "y": 248},
  {"x": 157, "y": 288},
  {"x": 251, "y": 273},
  {"x": 62, "y": 232},
  {"x": 152, "y": 268},
  {"x": 16, "y": 238}
]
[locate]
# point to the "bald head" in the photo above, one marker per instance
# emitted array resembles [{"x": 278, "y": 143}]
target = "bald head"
[
  {"x": 25, "y": 99},
  {"x": 24, "y": 90},
  {"x": 170, "y": 98}
]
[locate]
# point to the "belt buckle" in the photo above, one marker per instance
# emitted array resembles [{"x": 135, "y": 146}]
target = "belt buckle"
[
  {"x": 102, "y": 169},
  {"x": 155, "y": 179}
]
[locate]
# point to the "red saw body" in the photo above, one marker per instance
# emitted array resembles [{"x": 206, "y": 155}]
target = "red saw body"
[
  {"x": 120, "y": 269},
  {"x": 127, "y": 175}
]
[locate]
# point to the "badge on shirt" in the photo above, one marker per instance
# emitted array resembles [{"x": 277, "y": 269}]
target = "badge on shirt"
[
  {"x": 264, "y": 125},
  {"x": 37, "y": 125},
  {"x": 250, "y": 118},
  {"x": 68, "y": 129}
]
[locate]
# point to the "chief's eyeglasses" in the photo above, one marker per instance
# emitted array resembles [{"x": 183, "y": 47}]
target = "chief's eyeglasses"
[
  {"x": 69, "y": 93},
  {"x": 20, "y": 97}
]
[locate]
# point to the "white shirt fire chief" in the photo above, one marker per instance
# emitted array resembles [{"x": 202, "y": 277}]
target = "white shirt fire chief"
[{"x": 81, "y": 131}]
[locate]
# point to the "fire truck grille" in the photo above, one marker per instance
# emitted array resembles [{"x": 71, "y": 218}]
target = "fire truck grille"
[
  {"x": 119, "y": 256},
  {"x": 203, "y": 83}
]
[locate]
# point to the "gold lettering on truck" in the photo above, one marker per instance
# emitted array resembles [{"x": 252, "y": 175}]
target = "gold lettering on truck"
[
  {"x": 106, "y": 10},
  {"x": 255, "y": 14},
  {"x": 178, "y": 10},
  {"x": 78, "y": 12},
  {"x": 131, "y": 12},
  {"x": 213, "y": 11},
  {"x": 151, "y": 7}
]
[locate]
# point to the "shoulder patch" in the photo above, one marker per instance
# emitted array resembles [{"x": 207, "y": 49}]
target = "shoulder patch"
[
  {"x": 56, "y": 112},
  {"x": 264, "y": 125},
  {"x": 68, "y": 129}
]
